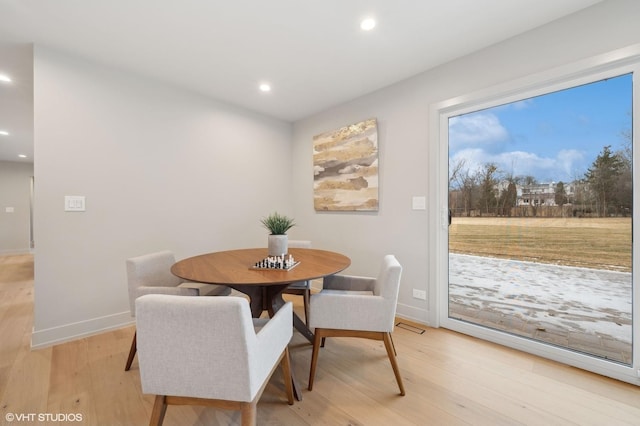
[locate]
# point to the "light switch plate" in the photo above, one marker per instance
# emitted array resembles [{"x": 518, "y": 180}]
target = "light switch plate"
[
  {"x": 74, "y": 203},
  {"x": 419, "y": 203}
]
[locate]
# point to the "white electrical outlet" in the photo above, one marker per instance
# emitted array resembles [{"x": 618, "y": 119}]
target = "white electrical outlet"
[{"x": 419, "y": 294}]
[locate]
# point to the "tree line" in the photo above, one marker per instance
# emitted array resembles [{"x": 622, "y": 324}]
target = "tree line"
[{"x": 604, "y": 190}]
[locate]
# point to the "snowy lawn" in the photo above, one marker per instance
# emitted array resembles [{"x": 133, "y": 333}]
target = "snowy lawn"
[{"x": 589, "y": 301}]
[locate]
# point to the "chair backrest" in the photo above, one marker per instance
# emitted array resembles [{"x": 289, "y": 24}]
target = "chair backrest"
[
  {"x": 151, "y": 270},
  {"x": 388, "y": 285},
  {"x": 204, "y": 347},
  {"x": 299, "y": 243}
]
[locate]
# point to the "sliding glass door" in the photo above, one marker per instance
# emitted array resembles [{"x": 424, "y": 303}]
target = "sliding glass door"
[{"x": 540, "y": 240}]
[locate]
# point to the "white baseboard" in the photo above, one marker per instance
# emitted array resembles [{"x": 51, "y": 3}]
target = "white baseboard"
[
  {"x": 411, "y": 313},
  {"x": 65, "y": 333},
  {"x": 15, "y": 252}
]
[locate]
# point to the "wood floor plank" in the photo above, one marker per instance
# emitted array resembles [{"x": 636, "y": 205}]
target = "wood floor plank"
[
  {"x": 27, "y": 384},
  {"x": 117, "y": 396},
  {"x": 70, "y": 381},
  {"x": 24, "y": 374},
  {"x": 437, "y": 404}
]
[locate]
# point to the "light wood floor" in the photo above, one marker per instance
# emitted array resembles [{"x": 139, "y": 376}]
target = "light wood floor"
[{"x": 450, "y": 379}]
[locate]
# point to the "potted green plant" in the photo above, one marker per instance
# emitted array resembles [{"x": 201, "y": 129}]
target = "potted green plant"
[{"x": 278, "y": 225}]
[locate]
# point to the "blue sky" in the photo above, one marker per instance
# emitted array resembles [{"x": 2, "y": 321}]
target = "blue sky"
[{"x": 553, "y": 137}]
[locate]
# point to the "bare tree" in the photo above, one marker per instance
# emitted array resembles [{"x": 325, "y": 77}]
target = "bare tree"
[
  {"x": 623, "y": 192},
  {"x": 468, "y": 188},
  {"x": 527, "y": 180},
  {"x": 455, "y": 171},
  {"x": 508, "y": 196},
  {"x": 487, "y": 182}
]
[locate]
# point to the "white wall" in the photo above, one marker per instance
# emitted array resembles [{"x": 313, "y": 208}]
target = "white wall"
[
  {"x": 406, "y": 148},
  {"x": 15, "y": 193},
  {"x": 160, "y": 169}
]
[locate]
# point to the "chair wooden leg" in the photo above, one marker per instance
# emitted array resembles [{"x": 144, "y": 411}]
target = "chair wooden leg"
[
  {"x": 393, "y": 344},
  {"x": 159, "y": 409},
  {"x": 314, "y": 356},
  {"x": 286, "y": 375},
  {"x": 388, "y": 344},
  {"x": 132, "y": 351},
  {"x": 248, "y": 413}
]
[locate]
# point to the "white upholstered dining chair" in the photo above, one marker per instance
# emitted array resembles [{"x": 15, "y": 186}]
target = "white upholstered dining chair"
[
  {"x": 354, "y": 306},
  {"x": 301, "y": 288},
  {"x": 151, "y": 274},
  {"x": 210, "y": 351}
]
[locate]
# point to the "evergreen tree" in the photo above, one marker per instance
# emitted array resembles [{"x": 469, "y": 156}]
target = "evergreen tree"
[
  {"x": 561, "y": 194},
  {"x": 602, "y": 177}
]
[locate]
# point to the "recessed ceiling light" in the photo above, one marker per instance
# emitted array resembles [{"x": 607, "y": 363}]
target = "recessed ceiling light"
[
  {"x": 368, "y": 24},
  {"x": 4, "y": 133},
  {"x": 5, "y": 78},
  {"x": 22, "y": 156},
  {"x": 264, "y": 87}
]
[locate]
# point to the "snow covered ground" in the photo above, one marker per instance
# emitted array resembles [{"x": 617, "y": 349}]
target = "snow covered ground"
[{"x": 578, "y": 299}]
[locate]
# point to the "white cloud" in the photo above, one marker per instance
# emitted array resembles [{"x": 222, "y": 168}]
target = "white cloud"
[
  {"x": 520, "y": 163},
  {"x": 572, "y": 162},
  {"x": 473, "y": 158},
  {"x": 475, "y": 129},
  {"x": 480, "y": 138},
  {"x": 566, "y": 166}
]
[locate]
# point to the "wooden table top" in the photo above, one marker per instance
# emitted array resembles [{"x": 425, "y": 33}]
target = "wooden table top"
[{"x": 234, "y": 267}]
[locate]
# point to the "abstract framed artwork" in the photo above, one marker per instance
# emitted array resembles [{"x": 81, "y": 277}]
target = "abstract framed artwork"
[{"x": 345, "y": 167}]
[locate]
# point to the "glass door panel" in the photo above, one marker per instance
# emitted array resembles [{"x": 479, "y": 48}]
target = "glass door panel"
[{"x": 541, "y": 199}]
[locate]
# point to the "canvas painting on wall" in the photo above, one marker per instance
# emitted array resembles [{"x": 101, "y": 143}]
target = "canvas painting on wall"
[{"x": 345, "y": 167}]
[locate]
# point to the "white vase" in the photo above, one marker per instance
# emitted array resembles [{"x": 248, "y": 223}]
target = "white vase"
[{"x": 278, "y": 245}]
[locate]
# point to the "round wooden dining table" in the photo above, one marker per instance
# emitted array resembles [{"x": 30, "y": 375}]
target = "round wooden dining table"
[{"x": 233, "y": 268}]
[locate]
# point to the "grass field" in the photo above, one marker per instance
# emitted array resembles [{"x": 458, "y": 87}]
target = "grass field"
[{"x": 599, "y": 243}]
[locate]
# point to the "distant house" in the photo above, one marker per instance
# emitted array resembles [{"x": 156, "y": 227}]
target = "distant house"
[{"x": 541, "y": 194}]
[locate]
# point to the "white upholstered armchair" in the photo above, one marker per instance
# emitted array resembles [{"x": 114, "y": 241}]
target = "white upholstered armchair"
[
  {"x": 151, "y": 274},
  {"x": 209, "y": 351},
  {"x": 352, "y": 306}
]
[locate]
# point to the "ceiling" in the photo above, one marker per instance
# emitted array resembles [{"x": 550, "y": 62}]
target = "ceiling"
[{"x": 312, "y": 53}]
